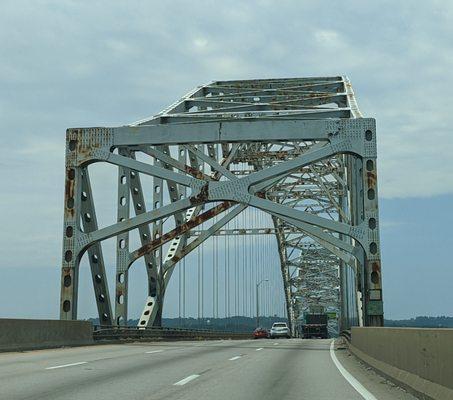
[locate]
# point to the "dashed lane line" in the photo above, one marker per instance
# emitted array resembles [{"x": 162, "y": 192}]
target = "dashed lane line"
[
  {"x": 186, "y": 380},
  {"x": 235, "y": 358},
  {"x": 67, "y": 365}
]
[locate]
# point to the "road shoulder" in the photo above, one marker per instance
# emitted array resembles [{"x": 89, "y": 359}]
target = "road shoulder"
[{"x": 381, "y": 387}]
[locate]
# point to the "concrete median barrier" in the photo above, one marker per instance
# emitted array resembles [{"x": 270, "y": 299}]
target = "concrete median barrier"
[
  {"x": 421, "y": 360},
  {"x": 29, "y": 334}
]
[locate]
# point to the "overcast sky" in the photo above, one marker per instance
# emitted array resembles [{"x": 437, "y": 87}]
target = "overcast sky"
[{"x": 106, "y": 63}]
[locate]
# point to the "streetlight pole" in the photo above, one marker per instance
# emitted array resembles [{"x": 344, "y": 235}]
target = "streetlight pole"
[{"x": 257, "y": 301}]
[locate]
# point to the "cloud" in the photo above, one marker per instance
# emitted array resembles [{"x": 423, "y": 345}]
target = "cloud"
[{"x": 327, "y": 38}]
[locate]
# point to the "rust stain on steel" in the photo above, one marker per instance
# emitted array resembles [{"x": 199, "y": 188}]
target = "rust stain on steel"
[
  {"x": 202, "y": 197},
  {"x": 194, "y": 172},
  {"x": 69, "y": 194},
  {"x": 181, "y": 229},
  {"x": 93, "y": 140},
  {"x": 371, "y": 179},
  {"x": 376, "y": 266},
  {"x": 66, "y": 272},
  {"x": 176, "y": 258}
]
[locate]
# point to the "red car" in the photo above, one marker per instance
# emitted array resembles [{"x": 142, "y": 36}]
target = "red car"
[{"x": 260, "y": 333}]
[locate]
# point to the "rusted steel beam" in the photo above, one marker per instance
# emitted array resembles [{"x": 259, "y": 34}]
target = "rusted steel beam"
[{"x": 180, "y": 230}]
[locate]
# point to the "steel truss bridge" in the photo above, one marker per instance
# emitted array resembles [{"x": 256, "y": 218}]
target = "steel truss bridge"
[{"x": 298, "y": 150}]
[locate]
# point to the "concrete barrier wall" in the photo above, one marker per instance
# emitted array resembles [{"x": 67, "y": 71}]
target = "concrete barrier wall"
[
  {"x": 421, "y": 359},
  {"x": 27, "y": 334}
]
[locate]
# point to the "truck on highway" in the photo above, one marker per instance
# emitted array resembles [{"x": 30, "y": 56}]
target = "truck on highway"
[{"x": 315, "y": 323}]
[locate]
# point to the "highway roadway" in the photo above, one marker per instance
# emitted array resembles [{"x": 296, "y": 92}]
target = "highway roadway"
[{"x": 214, "y": 370}]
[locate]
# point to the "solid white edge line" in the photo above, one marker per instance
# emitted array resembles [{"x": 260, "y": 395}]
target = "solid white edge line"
[
  {"x": 153, "y": 351},
  {"x": 234, "y": 358},
  {"x": 67, "y": 365},
  {"x": 186, "y": 380},
  {"x": 259, "y": 349},
  {"x": 352, "y": 381}
]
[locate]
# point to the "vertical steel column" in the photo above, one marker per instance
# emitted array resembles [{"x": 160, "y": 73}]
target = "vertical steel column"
[
  {"x": 122, "y": 243},
  {"x": 182, "y": 192},
  {"x": 138, "y": 201},
  {"x": 95, "y": 256},
  {"x": 344, "y": 306},
  {"x": 372, "y": 276},
  {"x": 175, "y": 244},
  {"x": 71, "y": 229},
  {"x": 356, "y": 204},
  {"x": 158, "y": 287},
  {"x": 280, "y": 235}
]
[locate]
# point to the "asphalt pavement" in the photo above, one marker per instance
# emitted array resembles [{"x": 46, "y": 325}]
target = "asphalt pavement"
[{"x": 229, "y": 369}]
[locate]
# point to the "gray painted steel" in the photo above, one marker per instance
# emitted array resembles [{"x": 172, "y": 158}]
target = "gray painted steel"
[{"x": 311, "y": 161}]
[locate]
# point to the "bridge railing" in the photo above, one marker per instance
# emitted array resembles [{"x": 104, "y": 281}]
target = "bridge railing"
[{"x": 102, "y": 332}]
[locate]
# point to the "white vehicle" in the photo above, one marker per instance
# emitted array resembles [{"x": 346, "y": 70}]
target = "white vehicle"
[{"x": 279, "y": 329}]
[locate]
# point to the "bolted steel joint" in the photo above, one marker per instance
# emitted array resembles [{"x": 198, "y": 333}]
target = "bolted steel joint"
[
  {"x": 236, "y": 190},
  {"x": 88, "y": 144}
]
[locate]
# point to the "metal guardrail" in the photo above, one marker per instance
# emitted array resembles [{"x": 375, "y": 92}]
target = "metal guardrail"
[{"x": 101, "y": 332}]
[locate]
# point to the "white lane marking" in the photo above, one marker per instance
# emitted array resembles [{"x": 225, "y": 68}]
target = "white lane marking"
[
  {"x": 259, "y": 349},
  {"x": 235, "y": 358},
  {"x": 352, "y": 381},
  {"x": 153, "y": 351},
  {"x": 275, "y": 344},
  {"x": 186, "y": 380},
  {"x": 68, "y": 365}
]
